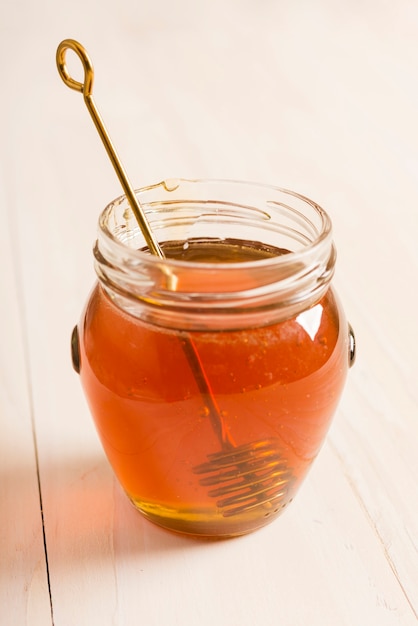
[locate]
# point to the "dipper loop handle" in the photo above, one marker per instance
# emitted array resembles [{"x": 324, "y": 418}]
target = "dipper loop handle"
[{"x": 86, "y": 88}]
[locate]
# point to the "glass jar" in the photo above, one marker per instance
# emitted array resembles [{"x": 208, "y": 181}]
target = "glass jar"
[{"x": 212, "y": 375}]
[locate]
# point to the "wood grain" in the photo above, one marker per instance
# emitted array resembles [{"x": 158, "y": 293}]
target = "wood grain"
[
  {"x": 24, "y": 594},
  {"x": 320, "y": 97}
]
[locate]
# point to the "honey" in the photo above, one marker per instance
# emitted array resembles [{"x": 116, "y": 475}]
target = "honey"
[{"x": 279, "y": 382}]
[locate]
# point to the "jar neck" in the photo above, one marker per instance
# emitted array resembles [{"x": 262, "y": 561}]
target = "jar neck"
[{"x": 200, "y": 295}]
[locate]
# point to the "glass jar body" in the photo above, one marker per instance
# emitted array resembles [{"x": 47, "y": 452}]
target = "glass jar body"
[{"x": 211, "y": 391}]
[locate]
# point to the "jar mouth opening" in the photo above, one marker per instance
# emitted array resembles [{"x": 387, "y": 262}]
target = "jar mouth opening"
[{"x": 184, "y": 208}]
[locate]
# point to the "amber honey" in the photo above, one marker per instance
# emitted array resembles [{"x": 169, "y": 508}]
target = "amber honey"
[{"x": 279, "y": 382}]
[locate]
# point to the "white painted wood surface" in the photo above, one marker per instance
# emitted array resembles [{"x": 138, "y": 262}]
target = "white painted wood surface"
[{"x": 318, "y": 96}]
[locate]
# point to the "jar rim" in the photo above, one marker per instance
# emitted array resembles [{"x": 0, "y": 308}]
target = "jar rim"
[
  {"x": 323, "y": 232},
  {"x": 178, "y": 292}
]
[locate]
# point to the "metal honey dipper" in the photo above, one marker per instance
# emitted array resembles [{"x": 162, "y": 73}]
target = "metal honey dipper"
[{"x": 243, "y": 477}]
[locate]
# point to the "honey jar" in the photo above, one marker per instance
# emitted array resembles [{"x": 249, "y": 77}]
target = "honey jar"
[{"x": 213, "y": 374}]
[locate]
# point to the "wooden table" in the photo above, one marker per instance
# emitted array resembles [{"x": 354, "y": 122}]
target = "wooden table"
[{"x": 317, "y": 96}]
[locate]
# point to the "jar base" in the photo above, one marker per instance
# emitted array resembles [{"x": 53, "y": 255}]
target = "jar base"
[{"x": 207, "y": 522}]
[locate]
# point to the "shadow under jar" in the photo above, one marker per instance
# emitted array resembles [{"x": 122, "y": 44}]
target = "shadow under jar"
[{"x": 212, "y": 375}]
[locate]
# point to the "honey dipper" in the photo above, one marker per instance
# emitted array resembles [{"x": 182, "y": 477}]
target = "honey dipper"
[{"x": 241, "y": 477}]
